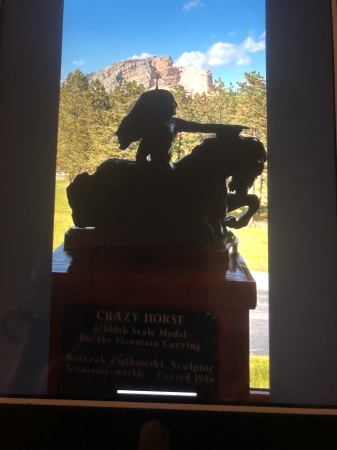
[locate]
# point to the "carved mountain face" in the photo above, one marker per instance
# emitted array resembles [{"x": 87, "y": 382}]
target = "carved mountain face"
[{"x": 146, "y": 72}]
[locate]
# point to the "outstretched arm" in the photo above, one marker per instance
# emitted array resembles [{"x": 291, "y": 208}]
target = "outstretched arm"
[{"x": 217, "y": 128}]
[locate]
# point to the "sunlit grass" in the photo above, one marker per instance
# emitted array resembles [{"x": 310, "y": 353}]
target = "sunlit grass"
[
  {"x": 259, "y": 372},
  {"x": 253, "y": 245},
  {"x": 62, "y": 214}
]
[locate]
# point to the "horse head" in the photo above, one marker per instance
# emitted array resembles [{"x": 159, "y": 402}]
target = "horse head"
[{"x": 250, "y": 161}]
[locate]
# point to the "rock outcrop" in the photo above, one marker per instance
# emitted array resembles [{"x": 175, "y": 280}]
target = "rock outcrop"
[{"x": 146, "y": 71}]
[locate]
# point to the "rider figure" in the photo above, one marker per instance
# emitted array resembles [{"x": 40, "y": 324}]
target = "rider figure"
[{"x": 152, "y": 121}]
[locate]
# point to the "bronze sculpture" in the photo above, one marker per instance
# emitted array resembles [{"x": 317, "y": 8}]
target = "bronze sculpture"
[{"x": 136, "y": 204}]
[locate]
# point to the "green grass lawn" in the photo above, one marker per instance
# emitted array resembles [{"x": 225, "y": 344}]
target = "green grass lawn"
[
  {"x": 259, "y": 372},
  {"x": 62, "y": 216},
  {"x": 253, "y": 245}
]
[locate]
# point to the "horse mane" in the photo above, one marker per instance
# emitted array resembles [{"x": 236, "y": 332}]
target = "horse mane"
[{"x": 218, "y": 155}]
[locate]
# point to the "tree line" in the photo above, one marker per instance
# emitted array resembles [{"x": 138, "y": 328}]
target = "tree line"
[{"x": 89, "y": 117}]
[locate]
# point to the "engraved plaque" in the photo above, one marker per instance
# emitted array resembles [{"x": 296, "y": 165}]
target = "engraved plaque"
[{"x": 105, "y": 349}]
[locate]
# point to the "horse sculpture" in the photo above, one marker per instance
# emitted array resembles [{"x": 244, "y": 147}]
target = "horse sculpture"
[{"x": 185, "y": 205}]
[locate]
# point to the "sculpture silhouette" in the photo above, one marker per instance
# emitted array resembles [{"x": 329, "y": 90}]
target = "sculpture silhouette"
[{"x": 137, "y": 204}]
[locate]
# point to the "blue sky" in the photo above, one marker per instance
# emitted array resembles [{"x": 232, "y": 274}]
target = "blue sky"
[{"x": 225, "y": 36}]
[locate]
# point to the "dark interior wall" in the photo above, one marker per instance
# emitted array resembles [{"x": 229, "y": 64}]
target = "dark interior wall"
[
  {"x": 29, "y": 86},
  {"x": 302, "y": 202}
]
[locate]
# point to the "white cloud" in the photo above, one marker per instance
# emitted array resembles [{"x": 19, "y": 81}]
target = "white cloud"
[
  {"x": 223, "y": 54},
  {"x": 244, "y": 61},
  {"x": 191, "y": 59},
  {"x": 252, "y": 46},
  {"x": 78, "y": 62},
  {"x": 192, "y": 4},
  {"x": 142, "y": 56}
]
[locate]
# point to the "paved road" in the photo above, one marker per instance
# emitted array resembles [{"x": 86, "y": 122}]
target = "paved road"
[{"x": 259, "y": 318}]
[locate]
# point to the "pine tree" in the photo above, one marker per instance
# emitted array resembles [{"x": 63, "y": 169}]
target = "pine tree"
[
  {"x": 252, "y": 104},
  {"x": 74, "y": 142},
  {"x": 252, "y": 109}
]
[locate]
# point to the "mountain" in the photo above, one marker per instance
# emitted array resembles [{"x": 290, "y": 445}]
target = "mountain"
[{"x": 145, "y": 72}]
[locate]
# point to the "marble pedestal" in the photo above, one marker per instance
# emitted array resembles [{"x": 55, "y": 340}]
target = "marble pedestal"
[{"x": 150, "y": 319}]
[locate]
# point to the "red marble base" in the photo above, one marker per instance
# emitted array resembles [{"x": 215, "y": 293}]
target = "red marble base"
[{"x": 189, "y": 322}]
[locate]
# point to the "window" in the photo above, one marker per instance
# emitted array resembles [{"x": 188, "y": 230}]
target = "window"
[{"x": 302, "y": 204}]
